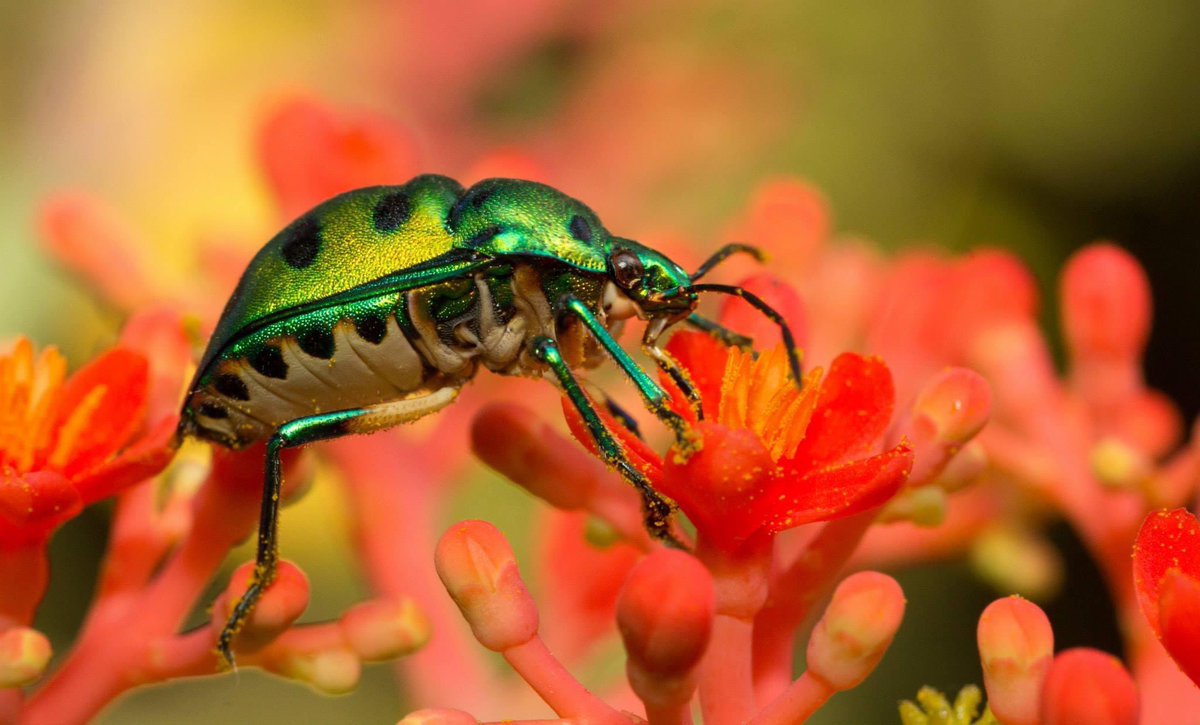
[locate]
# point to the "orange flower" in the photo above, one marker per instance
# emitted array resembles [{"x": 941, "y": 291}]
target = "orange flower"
[
  {"x": 774, "y": 457},
  {"x": 68, "y": 442}
]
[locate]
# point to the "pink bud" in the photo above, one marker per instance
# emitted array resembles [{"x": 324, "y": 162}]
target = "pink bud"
[
  {"x": 281, "y": 605},
  {"x": 1088, "y": 686},
  {"x": 522, "y": 447},
  {"x": 665, "y": 614},
  {"x": 381, "y": 630},
  {"x": 856, "y": 629},
  {"x": 332, "y": 671},
  {"x": 957, "y": 402},
  {"x": 1105, "y": 303},
  {"x": 479, "y": 571},
  {"x": 24, "y": 654},
  {"x": 737, "y": 314},
  {"x": 1016, "y": 645}
]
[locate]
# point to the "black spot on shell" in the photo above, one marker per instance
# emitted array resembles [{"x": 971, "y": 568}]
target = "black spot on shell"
[
  {"x": 269, "y": 363},
  {"x": 318, "y": 343},
  {"x": 580, "y": 229},
  {"x": 371, "y": 328},
  {"x": 303, "y": 243},
  {"x": 475, "y": 198},
  {"x": 214, "y": 411},
  {"x": 391, "y": 211},
  {"x": 482, "y": 237},
  {"x": 231, "y": 386}
]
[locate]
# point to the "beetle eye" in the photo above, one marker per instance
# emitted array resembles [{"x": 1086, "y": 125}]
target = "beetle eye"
[{"x": 627, "y": 269}]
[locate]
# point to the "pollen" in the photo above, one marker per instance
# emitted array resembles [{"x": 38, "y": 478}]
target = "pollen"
[
  {"x": 29, "y": 392},
  {"x": 758, "y": 395}
]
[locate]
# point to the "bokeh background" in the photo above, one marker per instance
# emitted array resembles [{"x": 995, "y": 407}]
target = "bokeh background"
[{"x": 1033, "y": 126}]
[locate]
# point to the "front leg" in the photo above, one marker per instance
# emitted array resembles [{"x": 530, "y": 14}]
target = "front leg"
[
  {"x": 657, "y": 509},
  {"x": 655, "y": 397}
]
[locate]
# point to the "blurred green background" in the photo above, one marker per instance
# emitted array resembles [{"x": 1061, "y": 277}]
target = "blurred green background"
[{"x": 1034, "y": 126}]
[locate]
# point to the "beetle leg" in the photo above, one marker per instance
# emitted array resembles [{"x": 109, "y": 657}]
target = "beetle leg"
[
  {"x": 655, "y": 397},
  {"x": 678, "y": 375},
  {"x": 297, "y": 433},
  {"x": 723, "y": 334},
  {"x": 656, "y": 508}
]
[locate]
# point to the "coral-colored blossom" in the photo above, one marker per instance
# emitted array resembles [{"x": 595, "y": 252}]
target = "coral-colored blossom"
[
  {"x": 1166, "y": 573},
  {"x": 66, "y": 442},
  {"x": 774, "y": 457}
]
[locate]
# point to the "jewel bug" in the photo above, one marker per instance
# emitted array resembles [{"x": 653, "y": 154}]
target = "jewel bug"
[{"x": 377, "y": 306}]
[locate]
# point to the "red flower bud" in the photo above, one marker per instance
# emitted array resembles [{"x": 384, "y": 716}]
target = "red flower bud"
[
  {"x": 1088, "y": 686},
  {"x": 24, "y": 654},
  {"x": 665, "y": 614},
  {"x": 479, "y": 571},
  {"x": 1016, "y": 645},
  {"x": 1105, "y": 303},
  {"x": 856, "y": 629},
  {"x": 381, "y": 630},
  {"x": 280, "y": 606}
]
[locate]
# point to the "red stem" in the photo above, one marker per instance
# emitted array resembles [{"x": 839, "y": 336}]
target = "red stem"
[
  {"x": 804, "y": 697},
  {"x": 792, "y": 595},
  {"x": 24, "y": 572},
  {"x": 561, "y": 691}
]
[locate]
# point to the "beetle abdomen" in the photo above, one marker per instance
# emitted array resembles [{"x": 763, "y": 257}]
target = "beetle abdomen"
[{"x": 386, "y": 348}]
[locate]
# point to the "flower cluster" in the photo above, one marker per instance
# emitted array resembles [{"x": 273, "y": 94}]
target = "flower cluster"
[{"x": 878, "y": 458}]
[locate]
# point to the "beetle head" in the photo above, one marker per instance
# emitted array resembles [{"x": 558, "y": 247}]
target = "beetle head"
[{"x": 646, "y": 283}]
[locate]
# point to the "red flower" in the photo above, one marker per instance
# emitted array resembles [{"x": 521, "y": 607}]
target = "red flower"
[
  {"x": 1166, "y": 574},
  {"x": 69, "y": 442},
  {"x": 774, "y": 457}
]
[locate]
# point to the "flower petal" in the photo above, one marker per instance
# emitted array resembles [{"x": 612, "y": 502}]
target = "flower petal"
[
  {"x": 1179, "y": 620},
  {"x": 1167, "y": 540},
  {"x": 703, "y": 357},
  {"x": 852, "y": 412},
  {"x": 101, "y": 406},
  {"x": 33, "y": 504},
  {"x": 834, "y": 492}
]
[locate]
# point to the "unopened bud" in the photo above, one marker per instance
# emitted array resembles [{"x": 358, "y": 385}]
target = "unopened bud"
[
  {"x": 1088, "y": 686},
  {"x": 1105, "y": 303},
  {"x": 381, "y": 629},
  {"x": 438, "y": 716},
  {"x": 665, "y": 614},
  {"x": 924, "y": 506},
  {"x": 737, "y": 314},
  {"x": 478, "y": 569},
  {"x": 1016, "y": 645},
  {"x": 1118, "y": 465},
  {"x": 957, "y": 403},
  {"x": 24, "y": 654},
  {"x": 333, "y": 671},
  {"x": 280, "y": 606},
  {"x": 856, "y": 629}
]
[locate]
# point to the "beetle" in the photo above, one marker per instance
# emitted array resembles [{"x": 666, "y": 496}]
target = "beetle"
[{"x": 378, "y": 305}]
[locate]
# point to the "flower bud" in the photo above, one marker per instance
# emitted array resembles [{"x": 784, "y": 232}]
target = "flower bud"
[
  {"x": 737, "y": 314},
  {"x": 438, "y": 716},
  {"x": 280, "y": 606},
  {"x": 523, "y": 448},
  {"x": 1105, "y": 303},
  {"x": 1016, "y": 645},
  {"x": 1088, "y": 686},
  {"x": 24, "y": 654},
  {"x": 333, "y": 671},
  {"x": 856, "y": 629},
  {"x": 479, "y": 571},
  {"x": 957, "y": 403},
  {"x": 381, "y": 629},
  {"x": 665, "y": 614}
]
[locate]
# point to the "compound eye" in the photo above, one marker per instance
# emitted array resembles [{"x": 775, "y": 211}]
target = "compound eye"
[{"x": 626, "y": 269}]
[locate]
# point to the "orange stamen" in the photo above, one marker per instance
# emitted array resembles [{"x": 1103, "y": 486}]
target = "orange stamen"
[
  {"x": 759, "y": 395},
  {"x": 29, "y": 391}
]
